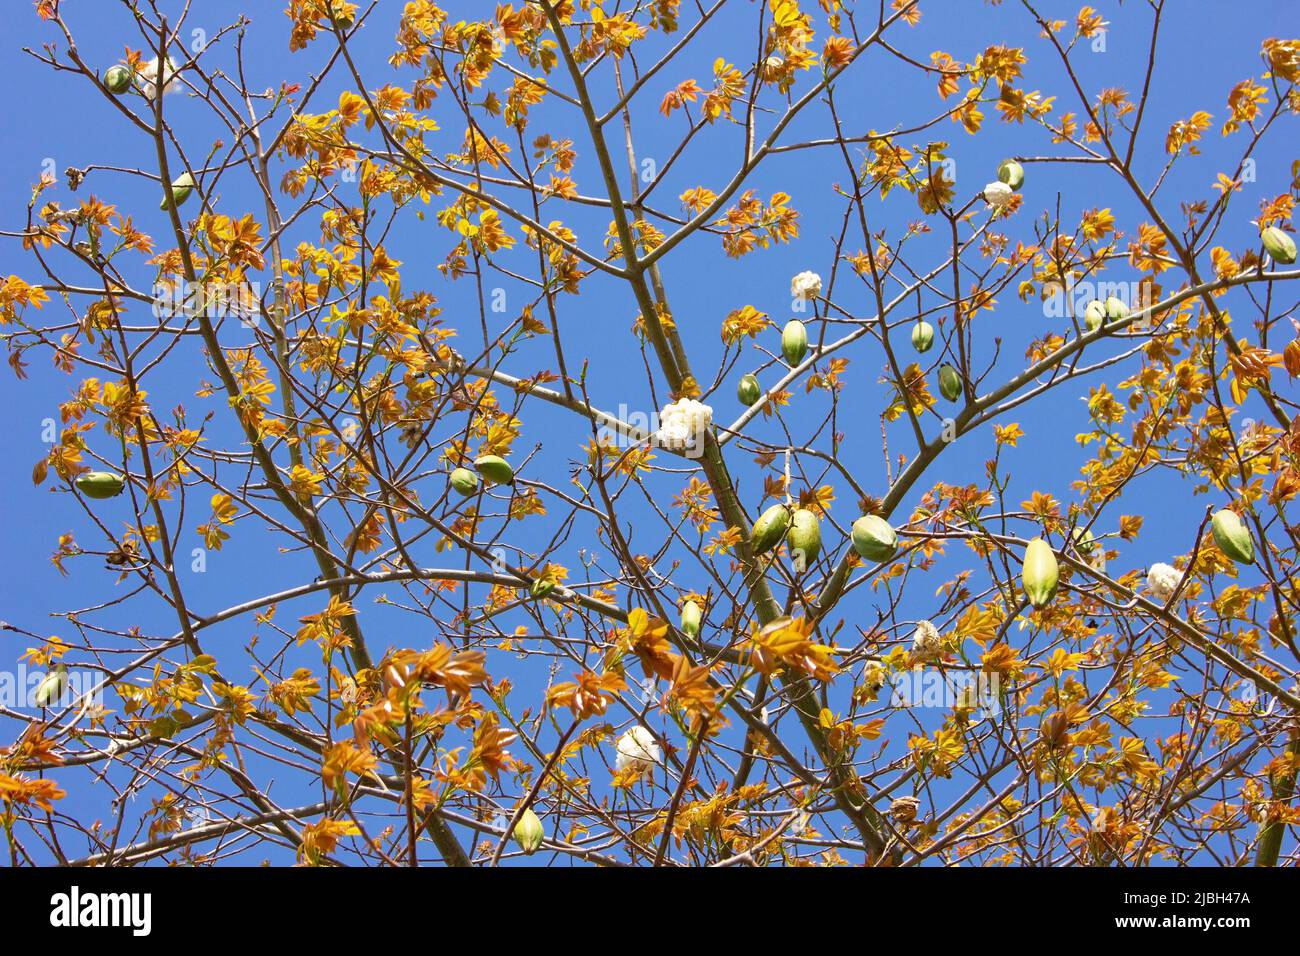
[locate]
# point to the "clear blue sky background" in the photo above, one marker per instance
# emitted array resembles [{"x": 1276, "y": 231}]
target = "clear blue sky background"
[{"x": 1206, "y": 48}]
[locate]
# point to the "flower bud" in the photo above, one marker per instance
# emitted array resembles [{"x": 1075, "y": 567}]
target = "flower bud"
[
  {"x": 495, "y": 469},
  {"x": 949, "y": 383},
  {"x": 874, "y": 538},
  {"x": 749, "y": 391},
  {"x": 794, "y": 342},
  {"x": 1232, "y": 536},
  {"x": 769, "y": 529},
  {"x": 528, "y": 832},
  {"x": 1279, "y": 245},
  {"x": 691, "y": 617},
  {"x": 1011, "y": 173},
  {"x": 1040, "y": 574},
  {"x": 180, "y": 191},
  {"x": 804, "y": 539},
  {"x": 464, "y": 481},
  {"x": 117, "y": 80},
  {"x": 1094, "y": 316},
  {"x": 922, "y": 336},
  {"x": 100, "y": 484}
]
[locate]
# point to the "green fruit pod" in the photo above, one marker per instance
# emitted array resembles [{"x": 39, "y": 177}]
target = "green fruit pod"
[
  {"x": 749, "y": 391},
  {"x": 52, "y": 686},
  {"x": 495, "y": 469},
  {"x": 874, "y": 538},
  {"x": 529, "y": 833},
  {"x": 769, "y": 529},
  {"x": 1094, "y": 316},
  {"x": 1232, "y": 536},
  {"x": 117, "y": 80},
  {"x": 180, "y": 190},
  {"x": 464, "y": 481},
  {"x": 922, "y": 336},
  {"x": 691, "y": 618},
  {"x": 1011, "y": 173},
  {"x": 541, "y": 588},
  {"x": 804, "y": 539},
  {"x": 1279, "y": 245},
  {"x": 1116, "y": 309},
  {"x": 794, "y": 342},
  {"x": 1041, "y": 573},
  {"x": 949, "y": 383},
  {"x": 1084, "y": 542},
  {"x": 100, "y": 484}
]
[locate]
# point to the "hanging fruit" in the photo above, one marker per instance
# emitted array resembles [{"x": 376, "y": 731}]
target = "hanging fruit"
[
  {"x": 769, "y": 529},
  {"x": 1040, "y": 574},
  {"x": 691, "y": 618},
  {"x": 949, "y": 383},
  {"x": 922, "y": 336},
  {"x": 495, "y": 469},
  {"x": 464, "y": 481},
  {"x": 804, "y": 539},
  {"x": 874, "y": 538},
  {"x": 1094, "y": 316},
  {"x": 1011, "y": 173},
  {"x": 749, "y": 391},
  {"x": 180, "y": 191},
  {"x": 100, "y": 484},
  {"x": 117, "y": 79},
  {"x": 1232, "y": 536},
  {"x": 794, "y": 342},
  {"x": 1279, "y": 245}
]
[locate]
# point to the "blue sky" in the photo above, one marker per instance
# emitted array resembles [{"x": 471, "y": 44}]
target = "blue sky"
[{"x": 54, "y": 117}]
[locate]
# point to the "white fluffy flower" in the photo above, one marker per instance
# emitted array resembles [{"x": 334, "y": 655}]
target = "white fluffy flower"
[
  {"x": 806, "y": 285},
  {"x": 637, "y": 748},
  {"x": 926, "y": 640},
  {"x": 998, "y": 195},
  {"x": 147, "y": 77},
  {"x": 1163, "y": 581},
  {"x": 682, "y": 425}
]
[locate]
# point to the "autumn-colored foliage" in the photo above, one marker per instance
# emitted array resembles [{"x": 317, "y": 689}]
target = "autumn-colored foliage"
[{"x": 539, "y": 246}]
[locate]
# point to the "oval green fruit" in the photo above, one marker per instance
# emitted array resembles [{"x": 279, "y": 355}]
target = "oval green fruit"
[
  {"x": 1233, "y": 537},
  {"x": 794, "y": 342},
  {"x": 1094, "y": 316},
  {"x": 117, "y": 80},
  {"x": 749, "y": 391},
  {"x": 464, "y": 481},
  {"x": 1116, "y": 309},
  {"x": 1011, "y": 173},
  {"x": 1279, "y": 245},
  {"x": 495, "y": 469},
  {"x": 52, "y": 686},
  {"x": 769, "y": 529},
  {"x": 804, "y": 539},
  {"x": 691, "y": 618},
  {"x": 100, "y": 484},
  {"x": 949, "y": 383},
  {"x": 874, "y": 538},
  {"x": 529, "y": 833},
  {"x": 541, "y": 588},
  {"x": 922, "y": 336},
  {"x": 1041, "y": 573},
  {"x": 180, "y": 191}
]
